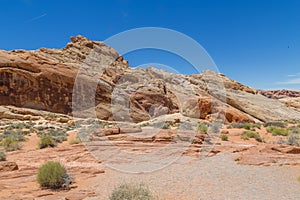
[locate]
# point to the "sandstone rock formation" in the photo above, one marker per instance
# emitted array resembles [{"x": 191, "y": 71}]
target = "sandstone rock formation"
[
  {"x": 279, "y": 94},
  {"x": 44, "y": 79}
]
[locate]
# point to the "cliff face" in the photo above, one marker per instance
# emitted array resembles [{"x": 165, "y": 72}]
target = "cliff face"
[{"x": 44, "y": 79}]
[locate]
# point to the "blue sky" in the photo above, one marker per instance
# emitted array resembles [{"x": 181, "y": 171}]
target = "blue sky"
[{"x": 256, "y": 42}]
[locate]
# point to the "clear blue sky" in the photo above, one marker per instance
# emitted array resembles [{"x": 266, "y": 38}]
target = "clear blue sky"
[{"x": 256, "y": 42}]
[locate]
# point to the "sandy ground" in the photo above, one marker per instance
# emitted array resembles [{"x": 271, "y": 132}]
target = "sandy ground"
[{"x": 214, "y": 177}]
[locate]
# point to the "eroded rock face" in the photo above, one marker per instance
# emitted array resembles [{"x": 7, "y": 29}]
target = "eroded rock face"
[
  {"x": 279, "y": 94},
  {"x": 44, "y": 79}
]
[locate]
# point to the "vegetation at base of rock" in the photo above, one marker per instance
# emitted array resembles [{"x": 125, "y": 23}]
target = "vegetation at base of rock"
[
  {"x": 2, "y": 156},
  {"x": 250, "y": 134},
  {"x": 247, "y": 126},
  {"x": 224, "y": 137},
  {"x": 202, "y": 127},
  {"x": 10, "y": 143},
  {"x": 294, "y": 129},
  {"x": 276, "y": 124},
  {"x": 131, "y": 191},
  {"x": 53, "y": 175},
  {"x": 46, "y": 141},
  {"x": 17, "y": 134},
  {"x": 277, "y": 131},
  {"x": 59, "y": 135}
]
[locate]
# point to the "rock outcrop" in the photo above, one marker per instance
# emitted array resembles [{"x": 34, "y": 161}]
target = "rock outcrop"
[
  {"x": 45, "y": 79},
  {"x": 279, "y": 94}
]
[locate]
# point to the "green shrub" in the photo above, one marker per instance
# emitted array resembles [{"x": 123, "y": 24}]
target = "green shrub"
[
  {"x": 256, "y": 125},
  {"x": 277, "y": 131},
  {"x": 131, "y": 192},
  {"x": 247, "y": 126},
  {"x": 18, "y": 135},
  {"x": 2, "y": 156},
  {"x": 250, "y": 134},
  {"x": 10, "y": 143},
  {"x": 58, "y": 135},
  {"x": 202, "y": 127},
  {"x": 224, "y": 137},
  {"x": 53, "y": 175},
  {"x": 46, "y": 141}
]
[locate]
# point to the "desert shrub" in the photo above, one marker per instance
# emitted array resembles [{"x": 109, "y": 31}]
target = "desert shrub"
[
  {"x": 18, "y": 126},
  {"x": 58, "y": 135},
  {"x": 247, "y": 126},
  {"x": 132, "y": 192},
  {"x": 10, "y": 143},
  {"x": 238, "y": 125},
  {"x": 202, "y": 127},
  {"x": 46, "y": 141},
  {"x": 277, "y": 131},
  {"x": 294, "y": 129},
  {"x": 256, "y": 125},
  {"x": 293, "y": 139},
  {"x": 224, "y": 137},
  {"x": 18, "y": 135},
  {"x": 250, "y": 134},
  {"x": 276, "y": 124},
  {"x": 2, "y": 156},
  {"x": 53, "y": 175}
]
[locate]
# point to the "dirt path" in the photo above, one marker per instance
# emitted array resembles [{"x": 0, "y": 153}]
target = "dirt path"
[{"x": 217, "y": 177}]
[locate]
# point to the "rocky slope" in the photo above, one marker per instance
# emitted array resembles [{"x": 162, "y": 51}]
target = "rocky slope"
[
  {"x": 44, "y": 79},
  {"x": 279, "y": 94},
  {"x": 289, "y": 97}
]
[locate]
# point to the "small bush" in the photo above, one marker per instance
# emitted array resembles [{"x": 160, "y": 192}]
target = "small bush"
[
  {"x": 247, "y": 126},
  {"x": 131, "y": 192},
  {"x": 58, "y": 135},
  {"x": 53, "y": 175},
  {"x": 202, "y": 127},
  {"x": 224, "y": 137},
  {"x": 46, "y": 141},
  {"x": 256, "y": 125},
  {"x": 10, "y": 143},
  {"x": 2, "y": 156},
  {"x": 249, "y": 134},
  {"x": 277, "y": 131}
]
